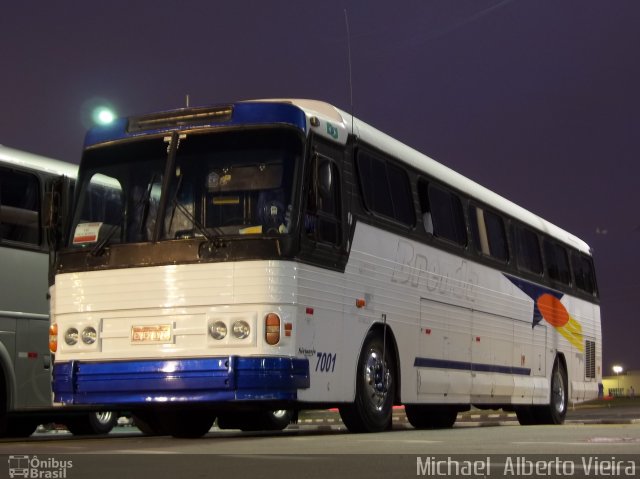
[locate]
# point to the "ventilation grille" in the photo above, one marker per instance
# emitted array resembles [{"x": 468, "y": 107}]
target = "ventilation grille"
[{"x": 590, "y": 359}]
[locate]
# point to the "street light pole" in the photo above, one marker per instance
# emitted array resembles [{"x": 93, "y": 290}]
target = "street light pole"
[{"x": 617, "y": 369}]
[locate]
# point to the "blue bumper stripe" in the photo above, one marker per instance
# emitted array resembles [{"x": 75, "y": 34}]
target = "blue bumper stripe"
[{"x": 195, "y": 380}]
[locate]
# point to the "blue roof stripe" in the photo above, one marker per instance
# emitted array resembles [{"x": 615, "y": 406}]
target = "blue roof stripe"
[{"x": 244, "y": 114}]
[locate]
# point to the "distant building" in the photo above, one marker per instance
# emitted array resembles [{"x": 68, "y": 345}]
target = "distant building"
[{"x": 625, "y": 384}]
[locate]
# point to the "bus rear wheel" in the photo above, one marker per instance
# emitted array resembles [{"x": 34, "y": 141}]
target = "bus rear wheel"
[
  {"x": 430, "y": 417},
  {"x": 375, "y": 386},
  {"x": 18, "y": 427}
]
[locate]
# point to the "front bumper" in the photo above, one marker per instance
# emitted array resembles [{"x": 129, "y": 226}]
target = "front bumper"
[{"x": 219, "y": 379}]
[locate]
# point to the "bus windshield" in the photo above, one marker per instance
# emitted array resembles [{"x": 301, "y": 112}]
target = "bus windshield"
[{"x": 220, "y": 184}]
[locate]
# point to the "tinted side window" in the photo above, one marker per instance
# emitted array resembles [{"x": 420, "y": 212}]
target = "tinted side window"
[
  {"x": 583, "y": 273},
  {"x": 488, "y": 231},
  {"x": 557, "y": 262},
  {"x": 19, "y": 207},
  {"x": 373, "y": 184},
  {"x": 442, "y": 213},
  {"x": 386, "y": 188},
  {"x": 528, "y": 250},
  {"x": 403, "y": 209}
]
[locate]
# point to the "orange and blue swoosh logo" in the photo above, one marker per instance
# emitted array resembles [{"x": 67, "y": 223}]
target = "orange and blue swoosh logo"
[{"x": 547, "y": 307}]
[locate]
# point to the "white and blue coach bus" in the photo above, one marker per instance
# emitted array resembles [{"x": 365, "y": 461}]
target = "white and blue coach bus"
[{"x": 283, "y": 255}]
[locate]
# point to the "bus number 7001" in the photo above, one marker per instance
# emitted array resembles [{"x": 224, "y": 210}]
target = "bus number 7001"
[{"x": 326, "y": 362}]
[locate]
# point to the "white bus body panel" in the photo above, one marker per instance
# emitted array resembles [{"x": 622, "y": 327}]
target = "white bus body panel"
[{"x": 445, "y": 312}]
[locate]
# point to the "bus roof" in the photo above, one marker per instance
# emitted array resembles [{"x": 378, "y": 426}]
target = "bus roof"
[
  {"x": 422, "y": 162},
  {"x": 24, "y": 159}
]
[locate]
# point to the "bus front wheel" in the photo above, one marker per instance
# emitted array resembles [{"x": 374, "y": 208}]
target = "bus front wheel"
[
  {"x": 375, "y": 386},
  {"x": 556, "y": 410}
]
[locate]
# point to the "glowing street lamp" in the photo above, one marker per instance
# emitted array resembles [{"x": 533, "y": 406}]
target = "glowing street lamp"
[
  {"x": 103, "y": 115},
  {"x": 617, "y": 369}
]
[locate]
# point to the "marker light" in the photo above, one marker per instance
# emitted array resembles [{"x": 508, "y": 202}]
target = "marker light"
[
  {"x": 218, "y": 330},
  {"x": 71, "y": 336},
  {"x": 89, "y": 335},
  {"x": 241, "y": 329},
  {"x": 272, "y": 329},
  {"x": 53, "y": 337}
]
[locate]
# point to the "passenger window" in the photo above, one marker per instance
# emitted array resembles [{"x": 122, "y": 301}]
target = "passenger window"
[
  {"x": 386, "y": 189},
  {"x": 488, "y": 232},
  {"x": 583, "y": 273},
  {"x": 528, "y": 250},
  {"x": 557, "y": 262},
  {"x": 19, "y": 207},
  {"x": 442, "y": 213}
]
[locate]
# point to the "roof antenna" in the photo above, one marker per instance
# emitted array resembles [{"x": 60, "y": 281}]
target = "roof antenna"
[
  {"x": 186, "y": 100},
  {"x": 346, "y": 21}
]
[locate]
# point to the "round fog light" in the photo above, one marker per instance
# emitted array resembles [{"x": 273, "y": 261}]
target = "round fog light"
[
  {"x": 241, "y": 329},
  {"x": 89, "y": 335},
  {"x": 218, "y": 330},
  {"x": 71, "y": 336}
]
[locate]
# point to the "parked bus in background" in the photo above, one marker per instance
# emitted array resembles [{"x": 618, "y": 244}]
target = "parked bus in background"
[
  {"x": 282, "y": 254},
  {"x": 25, "y": 359}
]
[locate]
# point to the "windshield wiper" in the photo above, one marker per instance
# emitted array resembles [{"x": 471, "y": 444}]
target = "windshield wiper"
[{"x": 213, "y": 240}]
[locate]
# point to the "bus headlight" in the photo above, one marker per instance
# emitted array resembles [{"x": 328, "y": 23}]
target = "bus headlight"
[
  {"x": 89, "y": 335},
  {"x": 71, "y": 336},
  {"x": 241, "y": 329},
  {"x": 218, "y": 330}
]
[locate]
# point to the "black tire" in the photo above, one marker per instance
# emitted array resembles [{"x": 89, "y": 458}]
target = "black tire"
[
  {"x": 149, "y": 423},
  {"x": 556, "y": 411},
  {"x": 269, "y": 420},
  {"x": 431, "y": 417},
  {"x": 190, "y": 425},
  {"x": 19, "y": 427},
  {"x": 257, "y": 420},
  {"x": 525, "y": 415},
  {"x": 94, "y": 423},
  {"x": 375, "y": 388}
]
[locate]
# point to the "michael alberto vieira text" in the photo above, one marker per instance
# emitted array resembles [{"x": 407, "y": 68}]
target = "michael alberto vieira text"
[{"x": 521, "y": 466}]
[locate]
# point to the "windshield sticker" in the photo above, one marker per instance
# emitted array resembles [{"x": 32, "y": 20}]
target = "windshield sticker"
[{"x": 86, "y": 233}]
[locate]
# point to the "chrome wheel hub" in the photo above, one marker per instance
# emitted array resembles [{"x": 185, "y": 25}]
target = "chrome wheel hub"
[{"x": 377, "y": 377}]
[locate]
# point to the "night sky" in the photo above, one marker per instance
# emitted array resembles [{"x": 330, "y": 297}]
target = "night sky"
[{"x": 537, "y": 100}]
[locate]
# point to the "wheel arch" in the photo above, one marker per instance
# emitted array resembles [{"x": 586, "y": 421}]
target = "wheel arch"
[
  {"x": 7, "y": 379},
  {"x": 563, "y": 361}
]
